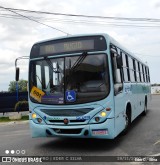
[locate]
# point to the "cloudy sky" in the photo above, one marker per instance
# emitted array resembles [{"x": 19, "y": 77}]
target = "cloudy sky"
[{"x": 17, "y": 34}]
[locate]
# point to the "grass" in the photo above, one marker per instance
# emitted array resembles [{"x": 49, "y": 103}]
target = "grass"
[{"x": 6, "y": 119}]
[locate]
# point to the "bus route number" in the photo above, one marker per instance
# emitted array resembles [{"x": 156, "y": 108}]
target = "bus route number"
[{"x": 37, "y": 94}]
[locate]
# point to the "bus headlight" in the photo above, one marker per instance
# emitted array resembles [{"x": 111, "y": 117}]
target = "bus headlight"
[
  {"x": 103, "y": 114},
  {"x": 99, "y": 117},
  {"x": 37, "y": 119}
]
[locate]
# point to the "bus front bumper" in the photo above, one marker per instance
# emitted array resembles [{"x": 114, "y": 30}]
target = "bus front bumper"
[{"x": 102, "y": 131}]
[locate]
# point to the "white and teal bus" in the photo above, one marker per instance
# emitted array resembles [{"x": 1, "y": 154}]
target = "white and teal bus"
[{"x": 85, "y": 86}]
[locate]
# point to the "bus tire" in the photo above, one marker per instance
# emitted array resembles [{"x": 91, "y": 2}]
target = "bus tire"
[
  {"x": 144, "y": 113},
  {"x": 127, "y": 121}
]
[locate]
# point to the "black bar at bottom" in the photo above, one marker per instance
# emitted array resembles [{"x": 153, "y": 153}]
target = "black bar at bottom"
[{"x": 38, "y": 159}]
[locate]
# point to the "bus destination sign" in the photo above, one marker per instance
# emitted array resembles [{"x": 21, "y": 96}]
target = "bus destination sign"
[{"x": 67, "y": 47}]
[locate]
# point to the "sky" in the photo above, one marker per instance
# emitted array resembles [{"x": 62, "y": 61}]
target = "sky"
[{"x": 18, "y": 35}]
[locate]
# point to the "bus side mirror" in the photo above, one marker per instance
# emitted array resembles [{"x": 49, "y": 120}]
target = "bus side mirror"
[
  {"x": 17, "y": 74},
  {"x": 119, "y": 61}
]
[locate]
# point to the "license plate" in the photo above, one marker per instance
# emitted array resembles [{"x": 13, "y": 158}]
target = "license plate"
[{"x": 100, "y": 132}]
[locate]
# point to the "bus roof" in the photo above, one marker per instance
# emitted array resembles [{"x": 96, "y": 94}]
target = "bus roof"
[{"x": 108, "y": 37}]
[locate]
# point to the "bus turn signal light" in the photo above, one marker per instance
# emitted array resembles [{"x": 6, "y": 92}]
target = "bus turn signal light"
[{"x": 108, "y": 109}]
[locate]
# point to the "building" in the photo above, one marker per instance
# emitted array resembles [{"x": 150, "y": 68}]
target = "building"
[{"x": 155, "y": 90}]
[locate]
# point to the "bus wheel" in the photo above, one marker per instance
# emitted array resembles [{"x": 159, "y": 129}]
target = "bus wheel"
[
  {"x": 127, "y": 122},
  {"x": 145, "y": 109}
]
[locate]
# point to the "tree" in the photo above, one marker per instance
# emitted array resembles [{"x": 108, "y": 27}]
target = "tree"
[
  {"x": 155, "y": 85},
  {"x": 22, "y": 86}
]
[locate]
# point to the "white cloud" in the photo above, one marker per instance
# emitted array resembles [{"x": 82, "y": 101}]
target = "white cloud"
[
  {"x": 123, "y": 9},
  {"x": 17, "y": 36}
]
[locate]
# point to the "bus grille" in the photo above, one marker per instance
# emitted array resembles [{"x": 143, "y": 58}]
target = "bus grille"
[
  {"x": 70, "y": 121},
  {"x": 66, "y": 112},
  {"x": 67, "y": 131}
]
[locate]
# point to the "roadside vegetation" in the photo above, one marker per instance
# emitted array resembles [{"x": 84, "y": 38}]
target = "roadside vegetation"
[{"x": 6, "y": 119}]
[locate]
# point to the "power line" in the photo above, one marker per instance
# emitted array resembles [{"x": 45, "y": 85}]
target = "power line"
[
  {"x": 31, "y": 19},
  {"x": 149, "y": 22},
  {"x": 86, "y": 16},
  {"x": 97, "y": 22},
  {"x": 118, "y": 24},
  {"x": 121, "y": 24}
]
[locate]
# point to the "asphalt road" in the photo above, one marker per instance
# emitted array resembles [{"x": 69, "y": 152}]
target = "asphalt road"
[{"x": 143, "y": 139}]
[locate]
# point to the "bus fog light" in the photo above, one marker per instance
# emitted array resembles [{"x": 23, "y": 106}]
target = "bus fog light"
[
  {"x": 103, "y": 114},
  {"x": 97, "y": 119},
  {"x": 39, "y": 120},
  {"x": 34, "y": 115}
]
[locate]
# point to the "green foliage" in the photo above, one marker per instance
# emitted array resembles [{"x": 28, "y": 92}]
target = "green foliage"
[
  {"x": 21, "y": 105},
  {"x": 22, "y": 86},
  {"x": 25, "y": 117},
  {"x": 6, "y": 119},
  {"x": 155, "y": 84}
]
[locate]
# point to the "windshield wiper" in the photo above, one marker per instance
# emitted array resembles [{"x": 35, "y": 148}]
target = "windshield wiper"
[{"x": 79, "y": 61}]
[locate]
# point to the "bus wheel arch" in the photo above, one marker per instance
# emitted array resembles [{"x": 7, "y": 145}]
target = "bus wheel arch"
[{"x": 128, "y": 117}]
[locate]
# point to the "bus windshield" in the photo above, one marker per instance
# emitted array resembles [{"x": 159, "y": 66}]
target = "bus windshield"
[{"x": 69, "y": 80}]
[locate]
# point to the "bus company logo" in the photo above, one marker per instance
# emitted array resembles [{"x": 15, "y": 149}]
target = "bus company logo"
[
  {"x": 82, "y": 117},
  {"x": 66, "y": 121},
  {"x": 56, "y": 118}
]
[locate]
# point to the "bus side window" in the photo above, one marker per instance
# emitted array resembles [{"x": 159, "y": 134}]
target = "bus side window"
[
  {"x": 134, "y": 70},
  {"x": 140, "y": 79},
  {"x": 143, "y": 73},
  {"x": 131, "y": 69},
  {"x": 127, "y": 65},
  {"x": 148, "y": 75},
  {"x": 116, "y": 71},
  {"x": 125, "y": 69},
  {"x": 117, "y": 75}
]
